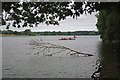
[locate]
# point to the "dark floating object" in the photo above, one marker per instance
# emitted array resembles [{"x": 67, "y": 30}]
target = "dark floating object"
[
  {"x": 67, "y": 39},
  {"x": 49, "y": 55},
  {"x": 45, "y": 46},
  {"x": 74, "y": 37}
]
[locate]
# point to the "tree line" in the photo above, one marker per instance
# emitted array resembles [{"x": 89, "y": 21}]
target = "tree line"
[
  {"x": 33, "y": 13},
  {"x": 30, "y": 33}
]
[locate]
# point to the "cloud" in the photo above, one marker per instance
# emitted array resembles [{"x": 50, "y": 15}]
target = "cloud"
[{"x": 82, "y": 23}]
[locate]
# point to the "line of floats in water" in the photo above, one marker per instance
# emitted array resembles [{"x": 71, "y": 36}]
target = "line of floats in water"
[{"x": 73, "y": 38}]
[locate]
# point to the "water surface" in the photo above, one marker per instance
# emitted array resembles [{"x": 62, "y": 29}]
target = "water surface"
[{"x": 20, "y": 61}]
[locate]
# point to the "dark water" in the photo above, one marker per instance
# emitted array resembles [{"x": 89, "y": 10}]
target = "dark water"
[
  {"x": 20, "y": 61},
  {"x": 109, "y": 60}
]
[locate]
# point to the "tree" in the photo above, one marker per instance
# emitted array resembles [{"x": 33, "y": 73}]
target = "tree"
[
  {"x": 28, "y": 32},
  {"x": 49, "y": 12},
  {"x": 0, "y": 32},
  {"x": 33, "y": 13},
  {"x": 108, "y": 24}
]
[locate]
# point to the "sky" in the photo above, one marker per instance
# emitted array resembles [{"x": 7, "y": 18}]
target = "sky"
[{"x": 82, "y": 23}]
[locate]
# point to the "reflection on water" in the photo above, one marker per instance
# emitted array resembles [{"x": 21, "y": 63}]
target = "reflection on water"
[
  {"x": 18, "y": 60},
  {"x": 109, "y": 54}
]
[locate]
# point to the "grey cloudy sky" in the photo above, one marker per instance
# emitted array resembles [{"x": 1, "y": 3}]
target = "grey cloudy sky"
[{"x": 83, "y": 23}]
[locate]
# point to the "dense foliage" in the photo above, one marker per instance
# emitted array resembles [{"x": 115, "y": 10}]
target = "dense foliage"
[
  {"x": 32, "y": 13},
  {"x": 108, "y": 24}
]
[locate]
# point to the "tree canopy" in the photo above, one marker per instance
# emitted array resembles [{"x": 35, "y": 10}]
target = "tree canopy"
[
  {"x": 30, "y": 14},
  {"x": 33, "y": 13},
  {"x": 108, "y": 24}
]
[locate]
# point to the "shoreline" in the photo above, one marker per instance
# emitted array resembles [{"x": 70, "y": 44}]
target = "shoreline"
[{"x": 43, "y": 35}]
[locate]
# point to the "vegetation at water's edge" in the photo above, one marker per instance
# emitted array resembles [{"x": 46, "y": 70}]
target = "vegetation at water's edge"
[
  {"x": 28, "y": 32},
  {"x": 108, "y": 24},
  {"x": 32, "y": 13}
]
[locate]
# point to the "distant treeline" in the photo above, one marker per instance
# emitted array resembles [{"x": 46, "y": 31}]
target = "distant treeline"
[{"x": 28, "y": 32}]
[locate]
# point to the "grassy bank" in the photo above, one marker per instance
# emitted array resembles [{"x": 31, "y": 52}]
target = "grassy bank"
[{"x": 7, "y": 35}]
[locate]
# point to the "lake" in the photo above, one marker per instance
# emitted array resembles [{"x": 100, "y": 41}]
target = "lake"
[{"x": 19, "y": 60}]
